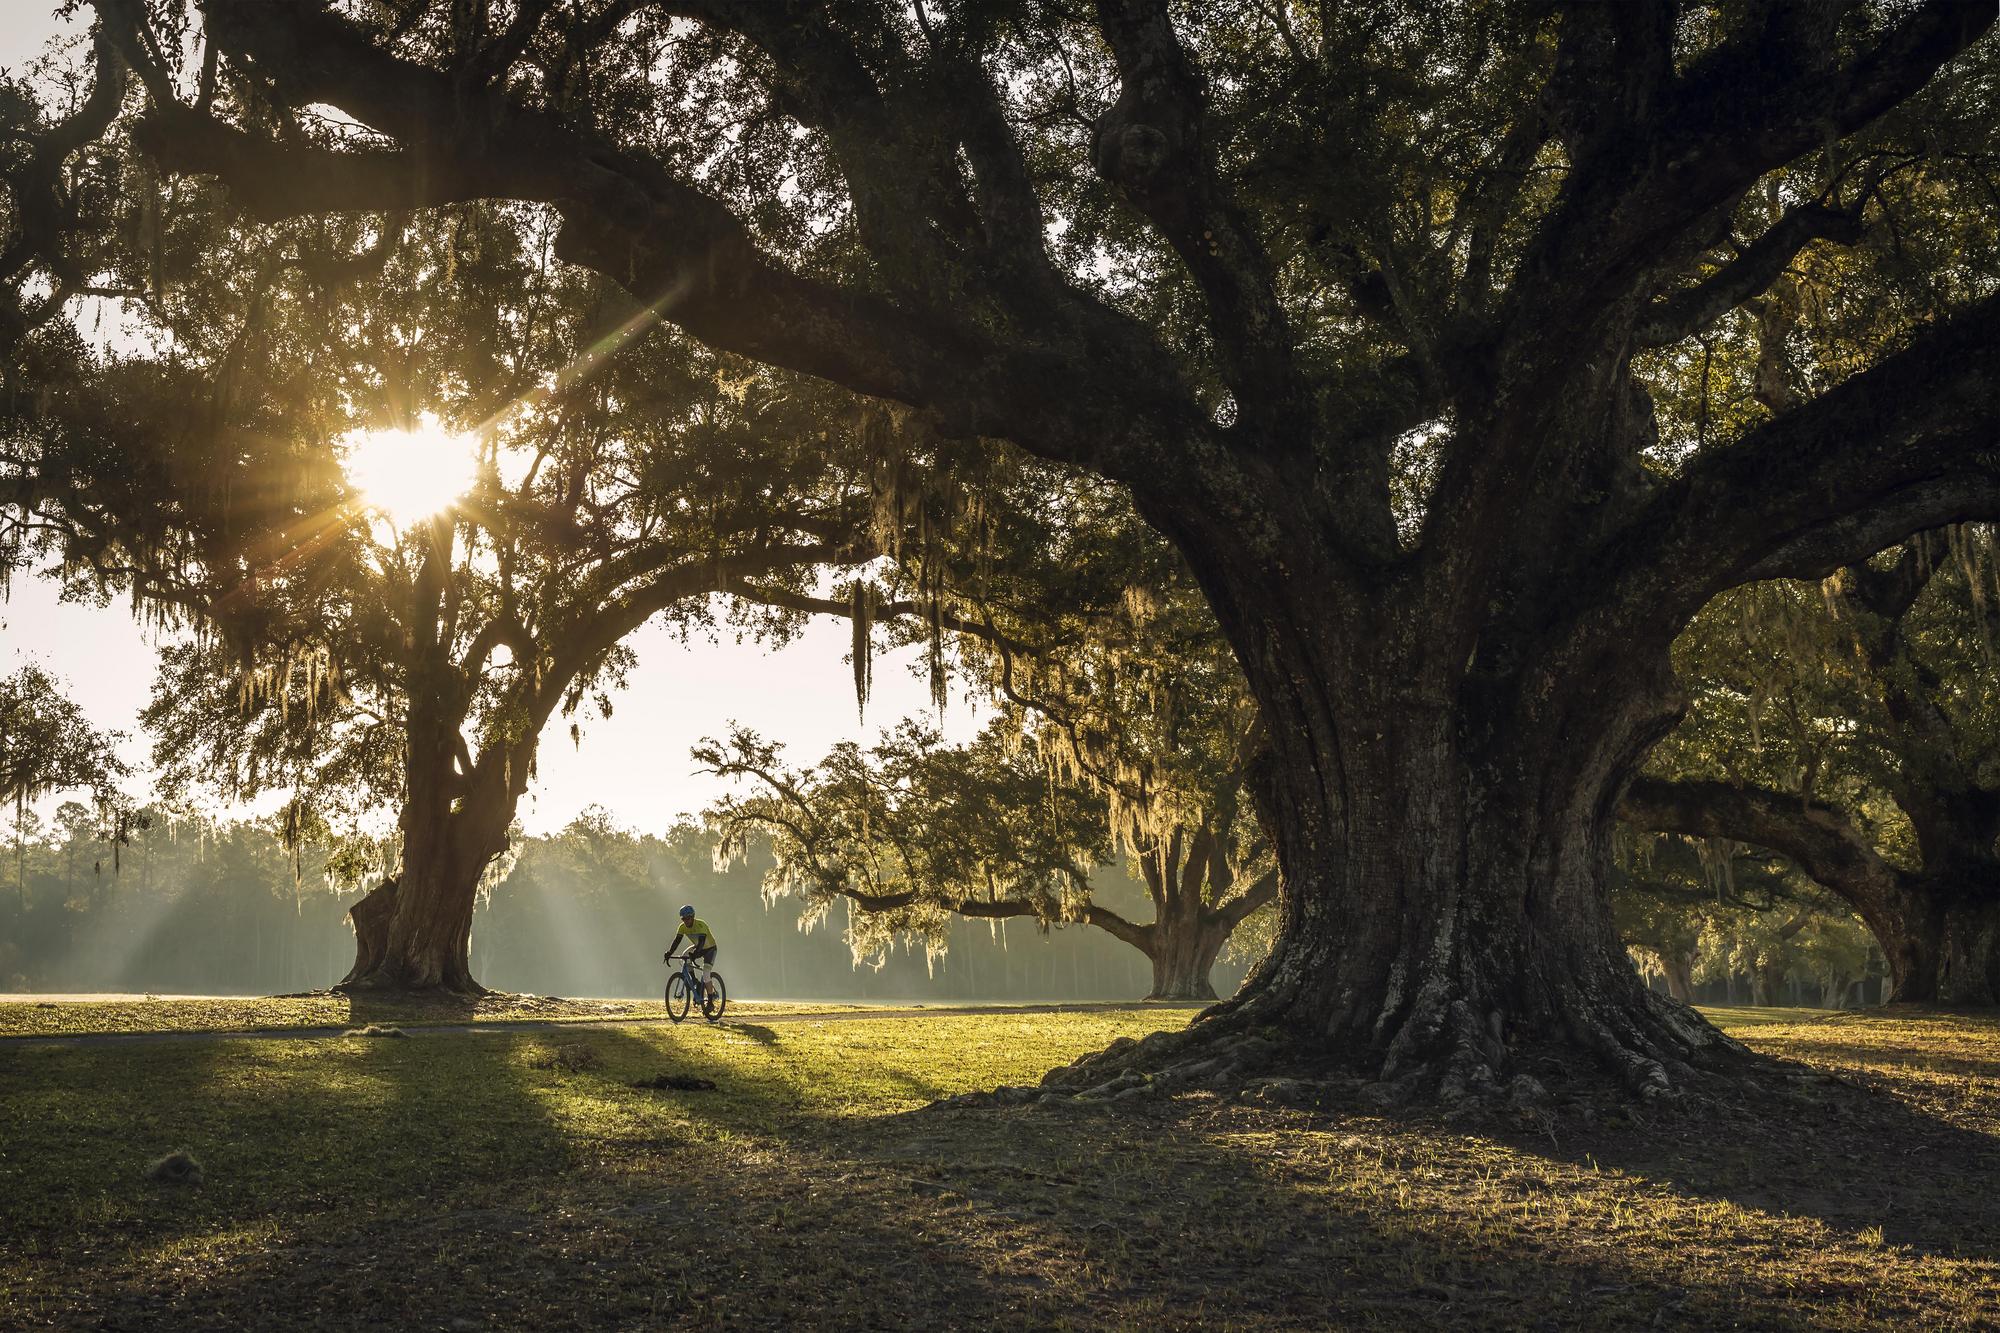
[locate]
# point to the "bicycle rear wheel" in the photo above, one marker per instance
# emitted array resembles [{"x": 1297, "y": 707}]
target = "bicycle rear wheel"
[
  {"x": 678, "y": 998},
  {"x": 717, "y": 999}
]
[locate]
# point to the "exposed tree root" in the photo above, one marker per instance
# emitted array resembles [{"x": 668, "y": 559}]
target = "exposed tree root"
[
  {"x": 1641, "y": 1048},
  {"x": 383, "y": 985}
]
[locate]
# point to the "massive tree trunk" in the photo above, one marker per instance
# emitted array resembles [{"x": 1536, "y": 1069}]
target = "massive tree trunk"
[
  {"x": 1442, "y": 802},
  {"x": 1765, "y": 983},
  {"x": 1184, "y": 955},
  {"x": 1678, "y": 969},
  {"x": 1197, "y": 905},
  {"x": 415, "y": 932}
]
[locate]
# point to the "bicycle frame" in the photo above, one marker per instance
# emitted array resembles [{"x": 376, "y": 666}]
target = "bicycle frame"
[{"x": 686, "y": 960}]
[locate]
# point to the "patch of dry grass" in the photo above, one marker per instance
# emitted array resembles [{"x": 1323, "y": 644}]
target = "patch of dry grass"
[{"x": 476, "y": 1179}]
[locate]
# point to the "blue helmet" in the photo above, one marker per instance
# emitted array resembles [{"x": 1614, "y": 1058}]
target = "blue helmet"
[{"x": 688, "y": 910}]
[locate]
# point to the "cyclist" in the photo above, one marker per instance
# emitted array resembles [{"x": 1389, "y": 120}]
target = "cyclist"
[{"x": 701, "y": 946}]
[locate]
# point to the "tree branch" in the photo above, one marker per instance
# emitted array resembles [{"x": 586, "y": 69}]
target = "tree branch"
[
  {"x": 1234, "y": 909},
  {"x": 910, "y": 206},
  {"x": 1152, "y": 145},
  {"x": 1822, "y": 840},
  {"x": 674, "y": 247},
  {"x": 1635, "y": 201},
  {"x": 786, "y": 599},
  {"x": 602, "y": 631},
  {"x": 1762, "y": 262},
  {"x": 1138, "y": 936},
  {"x": 1912, "y": 443},
  {"x": 42, "y": 218}
]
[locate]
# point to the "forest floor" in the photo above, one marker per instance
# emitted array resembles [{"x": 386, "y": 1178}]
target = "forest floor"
[{"x": 520, "y": 1180}]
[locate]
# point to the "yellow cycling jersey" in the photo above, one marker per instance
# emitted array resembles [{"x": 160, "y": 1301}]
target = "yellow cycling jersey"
[{"x": 695, "y": 930}]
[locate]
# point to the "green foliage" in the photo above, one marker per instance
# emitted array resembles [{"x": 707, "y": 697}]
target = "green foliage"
[
  {"x": 912, "y": 831},
  {"x": 1711, "y": 912},
  {"x": 623, "y": 474},
  {"x": 1806, "y": 689},
  {"x": 47, "y": 745}
]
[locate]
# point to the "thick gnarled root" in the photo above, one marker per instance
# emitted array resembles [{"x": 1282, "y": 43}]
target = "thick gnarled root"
[{"x": 1453, "y": 1056}]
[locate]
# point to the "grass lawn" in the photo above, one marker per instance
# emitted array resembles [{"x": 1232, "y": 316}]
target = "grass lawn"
[
  {"x": 32, "y": 1017},
  {"x": 513, "y": 1179}
]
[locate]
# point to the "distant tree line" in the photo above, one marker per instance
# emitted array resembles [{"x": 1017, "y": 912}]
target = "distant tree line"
[
  {"x": 215, "y": 908},
  {"x": 1708, "y": 921}
]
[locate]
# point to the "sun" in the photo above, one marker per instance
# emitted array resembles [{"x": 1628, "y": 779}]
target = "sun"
[{"x": 409, "y": 475}]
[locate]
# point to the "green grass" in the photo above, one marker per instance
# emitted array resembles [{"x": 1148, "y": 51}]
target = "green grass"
[
  {"x": 511, "y": 1179},
  {"x": 29, "y": 1017}
]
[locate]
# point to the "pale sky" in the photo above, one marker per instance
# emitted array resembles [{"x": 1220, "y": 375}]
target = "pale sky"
[
  {"x": 636, "y": 765},
  {"x": 26, "y": 24}
]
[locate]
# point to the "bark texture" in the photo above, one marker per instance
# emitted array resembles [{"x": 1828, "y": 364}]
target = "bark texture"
[
  {"x": 414, "y": 932},
  {"x": 1444, "y": 834},
  {"x": 1197, "y": 906}
]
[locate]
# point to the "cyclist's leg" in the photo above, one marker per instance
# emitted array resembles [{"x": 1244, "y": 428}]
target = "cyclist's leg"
[{"x": 707, "y": 966}]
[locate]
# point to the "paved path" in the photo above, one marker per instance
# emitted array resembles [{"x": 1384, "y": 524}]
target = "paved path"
[{"x": 750, "y": 1020}]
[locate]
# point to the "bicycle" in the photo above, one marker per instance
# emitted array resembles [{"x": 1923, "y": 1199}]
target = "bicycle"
[{"x": 683, "y": 986}]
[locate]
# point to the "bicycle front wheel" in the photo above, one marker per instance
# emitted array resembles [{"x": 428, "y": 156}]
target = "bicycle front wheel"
[
  {"x": 678, "y": 998},
  {"x": 717, "y": 999}
]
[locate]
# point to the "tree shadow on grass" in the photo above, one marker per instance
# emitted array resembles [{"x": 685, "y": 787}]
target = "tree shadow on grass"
[
  {"x": 1166, "y": 1208},
  {"x": 291, "y": 1135},
  {"x": 80, "y": 1125},
  {"x": 1133, "y": 1214},
  {"x": 1900, "y": 1139},
  {"x": 770, "y": 1212},
  {"x": 489, "y": 1184},
  {"x": 416, "y": 1182}
]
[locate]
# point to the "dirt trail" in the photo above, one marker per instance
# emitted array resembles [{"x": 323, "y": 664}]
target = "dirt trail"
[{"x": 752, "y": 1018}]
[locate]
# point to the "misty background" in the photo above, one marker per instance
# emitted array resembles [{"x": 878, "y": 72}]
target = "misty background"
[{"x": 215, "y": 909}]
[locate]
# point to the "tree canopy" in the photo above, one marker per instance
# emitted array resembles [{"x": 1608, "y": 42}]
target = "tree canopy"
[
  {"x": 1122, "y": 727},
  {"x": 1852, "y": 727}
]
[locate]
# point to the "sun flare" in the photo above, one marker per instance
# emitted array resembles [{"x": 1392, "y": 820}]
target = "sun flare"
[{"x": 409, "y": 475}]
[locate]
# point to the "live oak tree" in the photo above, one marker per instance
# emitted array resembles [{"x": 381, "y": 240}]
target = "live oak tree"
[
  {"x": 48, "y": 745},
  {"x": 1667, "y": 888},
  {"x": 1122, "y": 727},
  {"x": 58, "y": 186},
  {"x": 622, "y": 475},
  {"x": 912, "y": 831},
  {"x": 1361, "y": 303},
  {"x": 1696, "y": 908},
  {"x": 1872, "y": 721}
]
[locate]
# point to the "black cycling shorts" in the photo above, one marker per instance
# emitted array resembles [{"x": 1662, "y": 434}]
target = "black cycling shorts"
[{"x": 705, "y": 955}]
